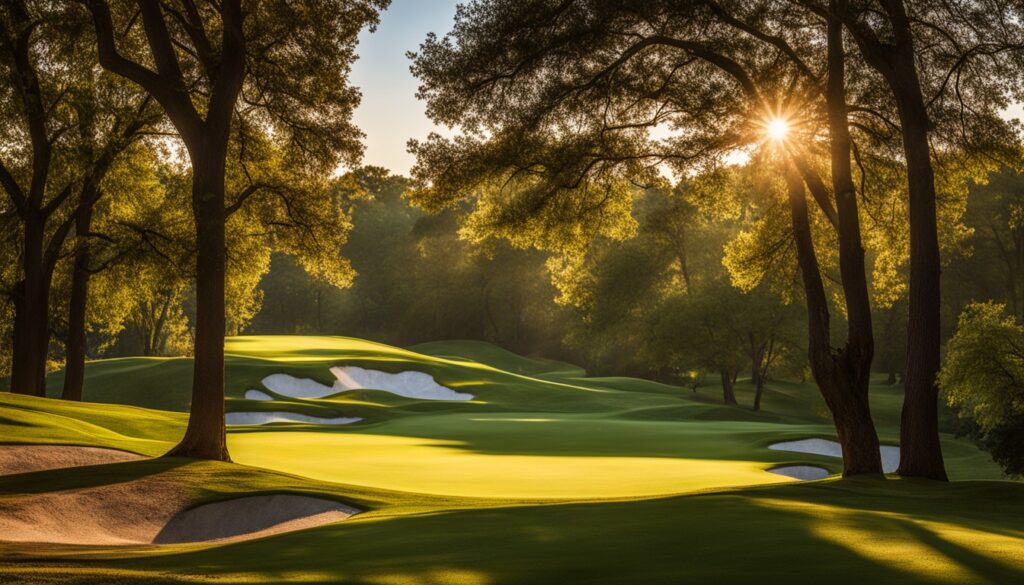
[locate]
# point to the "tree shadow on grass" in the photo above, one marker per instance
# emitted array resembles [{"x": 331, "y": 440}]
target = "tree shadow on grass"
[{"x": 718, "y": 538}]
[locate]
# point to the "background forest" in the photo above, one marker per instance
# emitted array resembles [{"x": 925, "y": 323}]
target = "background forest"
[{"x": 665, "y": 290}]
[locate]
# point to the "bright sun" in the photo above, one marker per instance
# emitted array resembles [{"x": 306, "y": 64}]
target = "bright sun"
[{"x": 778, "y": 129}]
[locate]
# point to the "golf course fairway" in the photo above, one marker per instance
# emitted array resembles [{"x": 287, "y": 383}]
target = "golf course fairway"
[{"x": 545, "y": 476}]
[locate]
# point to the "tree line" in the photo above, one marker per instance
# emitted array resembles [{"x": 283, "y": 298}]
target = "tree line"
[{"x": 257, "y": 100}]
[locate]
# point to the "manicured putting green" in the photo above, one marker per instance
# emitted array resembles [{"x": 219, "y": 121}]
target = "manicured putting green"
[{"x": 446, "y": 468}]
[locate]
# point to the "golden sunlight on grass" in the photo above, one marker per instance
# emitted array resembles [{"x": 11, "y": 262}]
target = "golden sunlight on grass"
[{"x": 937, "y": 550}]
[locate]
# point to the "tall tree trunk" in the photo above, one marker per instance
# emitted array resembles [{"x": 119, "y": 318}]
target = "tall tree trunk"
[
  {"x": 849, "y": 408},
  {"x": 205, "y": 132},
  {"x": 728, "y": 394},
  {"x": 74, "y": 364},
  {"x": 860, "y": 346},
  {"x": 205, "y": 436},
  {"x": 31, "y": 335},
  {"x": 920, "y": 449}
]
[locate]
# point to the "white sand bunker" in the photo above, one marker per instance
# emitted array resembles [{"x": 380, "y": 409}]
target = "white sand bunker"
[
  {"x": 890, "y": 454},
  {"x": 155, "y": 510},
  {"x": 263, "y": 418},
  {"x": 803, "y": 472},
  {"x": 257, "y": 395},
  {"x": 27, "y": 458},
  {"x": 411, "y": 384},
  {"x": 250, "y": 517}
]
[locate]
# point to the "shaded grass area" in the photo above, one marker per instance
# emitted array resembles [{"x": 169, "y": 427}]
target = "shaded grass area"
[{"x": 850, "y": 531}]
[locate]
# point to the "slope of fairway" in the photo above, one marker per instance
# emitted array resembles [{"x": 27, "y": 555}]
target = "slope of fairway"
[
  {"x": 165, "y": 383},
  {"x": 497, "y": 357},
  {"x": 520, "y": 437},
  {"x": 494, "y": 455}
]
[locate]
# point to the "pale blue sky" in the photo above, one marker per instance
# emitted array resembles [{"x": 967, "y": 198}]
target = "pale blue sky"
[{"x": 390, "y": 114}]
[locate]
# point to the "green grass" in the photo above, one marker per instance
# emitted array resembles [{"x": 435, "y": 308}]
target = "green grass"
[
  {"x": 546, "y": 477},
  {"x": 843, "y": 531},
  {"x": 497, "y": 357}
]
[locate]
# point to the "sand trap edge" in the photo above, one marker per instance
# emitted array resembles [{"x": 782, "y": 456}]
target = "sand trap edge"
[
  {"x": 16, "y": 458},
  {"x": 249, "y": 517},
  {"x": 826, "y": 447},
  {"x": 242, "y": 418}
]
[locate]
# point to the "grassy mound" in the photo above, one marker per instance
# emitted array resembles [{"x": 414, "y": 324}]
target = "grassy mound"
[{"x": 498, "y": 357}]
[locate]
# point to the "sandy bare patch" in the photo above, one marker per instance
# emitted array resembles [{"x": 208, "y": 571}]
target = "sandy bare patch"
[
  {"x": 890, "y": 455},
  {"x": 410, "y": 384},
  {"x": 263, "y": 418},
  {"x": 27, "y": 458},
  {"x": 257, "y": 395},
  {"x": 250, "y": 517},
  {"x": 155, "y": 510}
]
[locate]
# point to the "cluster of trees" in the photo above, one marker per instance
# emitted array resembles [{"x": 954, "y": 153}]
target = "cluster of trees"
[
  {"x": 252, "y": 101},
  {"x": 892, "y": 107},
  {"x": 984, "y": 379},
  {"x": 656, "y": 305},
  {"x": 418, "y": 281},
  {"x": 666, "y": 294}
]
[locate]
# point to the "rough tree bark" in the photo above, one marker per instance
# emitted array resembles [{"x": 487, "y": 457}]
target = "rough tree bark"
[{"x": 205, "y": 436}]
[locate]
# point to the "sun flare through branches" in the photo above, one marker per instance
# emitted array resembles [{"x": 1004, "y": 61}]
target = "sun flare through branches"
[{"x": 777, "y": 129}]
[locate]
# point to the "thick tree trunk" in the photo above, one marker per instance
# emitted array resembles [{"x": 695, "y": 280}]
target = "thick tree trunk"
[
  {"x": 841, "y": 375},
  {"x": 205, "y": 132},
  {"x": 205, "y": 436},
  {"x": 860, "y": 345},
  {"x": 845, "y": 394},
  {"x": 920, "y": 450},
  {"x": 728, "y": 394},
  {"x": 74, "y": 364},
  {"x": 31, "y": 335}
]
